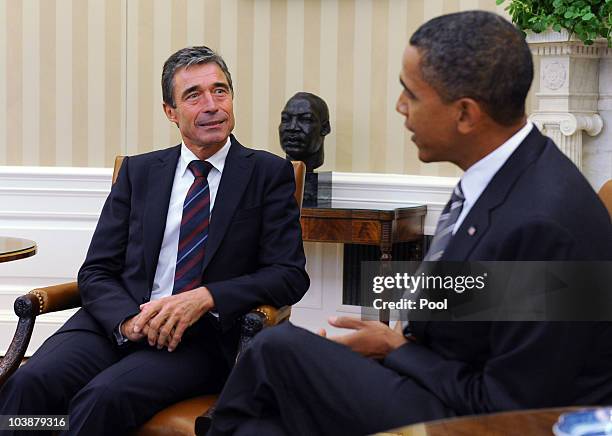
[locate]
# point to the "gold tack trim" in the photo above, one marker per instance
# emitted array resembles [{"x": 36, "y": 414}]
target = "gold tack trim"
[
  {"x": 41, "y": 300},
  {"x": 263, "y": 313}
]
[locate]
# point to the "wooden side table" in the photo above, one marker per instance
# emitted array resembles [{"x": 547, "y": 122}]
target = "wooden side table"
[
  {"x": 537, "y": 422},
  {"x": 16, "y": 248},
  {"x": 368, "y": 225},
  {"x": 369, "y": 232}
]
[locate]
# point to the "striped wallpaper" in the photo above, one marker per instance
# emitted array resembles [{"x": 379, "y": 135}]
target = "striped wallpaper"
[{"x": 81, "y": 78}]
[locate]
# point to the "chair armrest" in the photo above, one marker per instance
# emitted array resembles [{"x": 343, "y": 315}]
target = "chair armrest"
[
  {"x": 258, "y": 319},
  {"x": 27, "y": 308},
  {"x": 57, "y": 297},
  {"x": 253, "y": 322},
  {"x": 272, "y": 315}
]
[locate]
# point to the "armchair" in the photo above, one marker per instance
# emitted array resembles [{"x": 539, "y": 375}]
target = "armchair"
[
  {"x": 605, "y": 193},
  {"x": 178, "y": 419}
]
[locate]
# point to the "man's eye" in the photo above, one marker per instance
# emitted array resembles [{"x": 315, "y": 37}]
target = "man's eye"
[
  {"x": 192, "y": 96},
  {"x": 220, "y": 91}
]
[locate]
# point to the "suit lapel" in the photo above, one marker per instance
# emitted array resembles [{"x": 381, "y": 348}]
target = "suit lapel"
[
  {"x": 235, "y": 178},
  {"x": 159, "y": 188},
  {"x": 477, "y": 221}
]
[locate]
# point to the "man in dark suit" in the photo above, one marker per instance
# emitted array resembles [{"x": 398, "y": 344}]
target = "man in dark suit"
[
  {"x": 189, "y": 240},
  {"x": 465, "y": 78}
]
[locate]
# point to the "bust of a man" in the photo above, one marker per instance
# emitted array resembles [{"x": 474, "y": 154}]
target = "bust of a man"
[{"x": 304, "y": 124}]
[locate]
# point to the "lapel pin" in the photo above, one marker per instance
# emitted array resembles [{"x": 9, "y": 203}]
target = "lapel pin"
[{"x": 472, "y": 231}]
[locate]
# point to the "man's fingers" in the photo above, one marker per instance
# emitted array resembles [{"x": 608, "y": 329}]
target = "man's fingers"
[
  {"x": 322, "y": 332},
  {"x": 346, "y": 322},
  {"x": 398, "y": 328},
  {"x": 159, "y": 319},
  {"x": 152, "y": 336},
  {"x": 166, "y": 332},
  {"x": 343, "y": 340},
  {"x": 149, "y": 310},
  {"x": 155, "y": 325},
  {"x": 177, "y": 335}
]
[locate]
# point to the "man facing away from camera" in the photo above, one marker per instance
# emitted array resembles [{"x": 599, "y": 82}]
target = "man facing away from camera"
[
  {"x": 465, "y": 78},
  {"x": 190, "y": 239}
]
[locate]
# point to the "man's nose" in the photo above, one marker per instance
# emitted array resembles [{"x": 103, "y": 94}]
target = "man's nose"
[
  {"x": 402, "y": 106},
  {"x": 209, "y": 104},
  {"x": 293, "y": 123}
]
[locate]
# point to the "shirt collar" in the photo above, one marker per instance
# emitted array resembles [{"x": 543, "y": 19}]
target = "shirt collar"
[
  {"x": 478, "y": 176},
  {"x": 217, "y": 160}
]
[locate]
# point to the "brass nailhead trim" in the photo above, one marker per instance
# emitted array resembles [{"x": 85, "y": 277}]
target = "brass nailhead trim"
[
  {"x": 41, "y": 300},
  {"x": 263, "y": 313}
]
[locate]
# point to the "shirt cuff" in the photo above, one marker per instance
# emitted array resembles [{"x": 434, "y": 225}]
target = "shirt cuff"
[{"x": 119, "y": 338}]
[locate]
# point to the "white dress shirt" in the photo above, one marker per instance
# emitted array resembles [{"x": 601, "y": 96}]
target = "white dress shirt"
[
  {"x": 163, "y": 283},
  {"x": 477, "y": 177}
]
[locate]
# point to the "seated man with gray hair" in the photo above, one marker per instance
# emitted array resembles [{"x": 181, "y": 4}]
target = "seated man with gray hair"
[{"x": 190, "y": 239}]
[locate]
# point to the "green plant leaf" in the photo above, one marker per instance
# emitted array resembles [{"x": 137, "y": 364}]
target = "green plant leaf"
[{"x": 586, "y": 19}]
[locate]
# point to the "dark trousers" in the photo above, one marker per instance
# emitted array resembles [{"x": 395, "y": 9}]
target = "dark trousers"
[
  {"x": 106, "y": 390},
  {"x": 293, "y": 382}
]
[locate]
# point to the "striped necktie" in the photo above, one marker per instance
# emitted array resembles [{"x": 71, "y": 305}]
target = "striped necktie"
[
  {"x": 446, "y": 223},
  {"x": 194, "y": 230}
]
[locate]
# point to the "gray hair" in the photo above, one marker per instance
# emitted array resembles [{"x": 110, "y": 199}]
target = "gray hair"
[{"x": 184, "y": 58}]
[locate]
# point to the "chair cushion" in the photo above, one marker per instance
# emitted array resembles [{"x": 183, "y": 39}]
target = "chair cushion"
[{"x": 178, "y": 419}]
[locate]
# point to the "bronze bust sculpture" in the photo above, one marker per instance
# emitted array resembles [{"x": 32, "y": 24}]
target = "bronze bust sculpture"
[{"x": 304, "y": 124}]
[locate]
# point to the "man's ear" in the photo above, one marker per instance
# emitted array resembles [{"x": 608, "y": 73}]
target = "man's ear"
[
  {"x": 325, "y": 128},
  {"x": 170, "y": 113},
  {"x": 469, "y": 115}
]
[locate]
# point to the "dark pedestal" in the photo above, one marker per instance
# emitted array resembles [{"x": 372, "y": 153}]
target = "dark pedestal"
[
  {"x": 375, "y": 232},
  {"x": 318, "y": 189}
]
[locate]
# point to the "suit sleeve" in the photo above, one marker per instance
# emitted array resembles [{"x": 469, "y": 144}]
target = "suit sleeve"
[
  {"x": 529, "y": 364},
  {"x": 528, "y": 368},
  {"x": 102, "y": 293},
  {"x": 280, "y": 278}
]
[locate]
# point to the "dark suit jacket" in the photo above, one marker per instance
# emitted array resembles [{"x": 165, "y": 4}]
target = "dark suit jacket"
[
  {"x": 537, "y": 207},
  {"x": 254, "y": 253}
]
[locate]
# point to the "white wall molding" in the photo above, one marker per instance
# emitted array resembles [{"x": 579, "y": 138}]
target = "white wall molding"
[
  {"x": 59, "y": 208},
  {"x": 71, "y": 178},
  {"x": 49, "y": 216}
]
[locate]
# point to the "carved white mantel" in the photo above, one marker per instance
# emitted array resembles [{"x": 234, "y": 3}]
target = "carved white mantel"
[{"x": 568, "y": 89}]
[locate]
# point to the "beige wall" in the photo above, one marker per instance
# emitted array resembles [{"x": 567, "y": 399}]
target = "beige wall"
[{"x": 80, "y": 78}]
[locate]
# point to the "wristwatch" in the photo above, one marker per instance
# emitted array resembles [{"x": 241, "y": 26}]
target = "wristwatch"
[{"x": 121, "y": 340}]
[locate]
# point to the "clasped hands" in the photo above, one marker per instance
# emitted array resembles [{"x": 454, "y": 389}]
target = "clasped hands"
[
  {"x": 371, "y": 338},
  {"x": 164, "y": 321}
]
